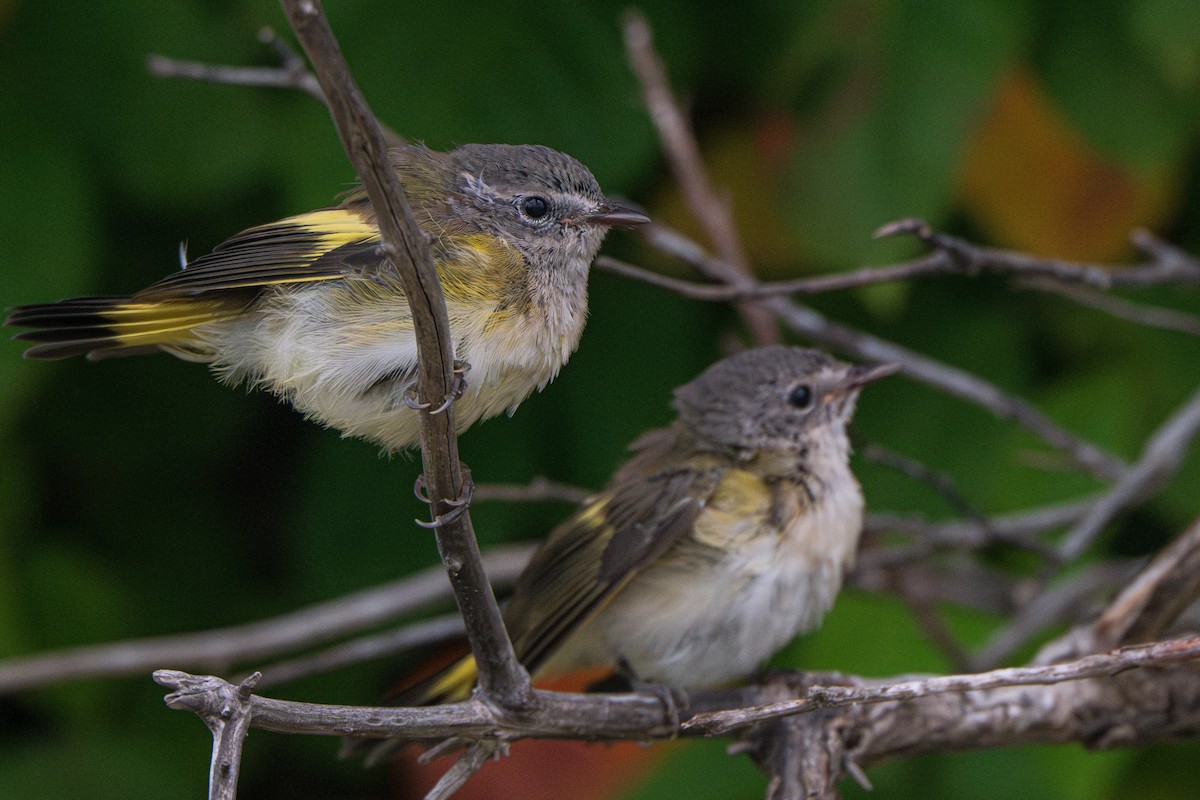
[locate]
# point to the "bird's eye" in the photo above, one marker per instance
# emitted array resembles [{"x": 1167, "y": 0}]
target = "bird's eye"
[
  {"x": 534, "y": 207},
  {"x": 801, "y": 396}
]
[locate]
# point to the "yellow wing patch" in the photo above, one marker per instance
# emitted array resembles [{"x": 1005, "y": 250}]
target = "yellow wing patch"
[{"x": 331, "y": 228}]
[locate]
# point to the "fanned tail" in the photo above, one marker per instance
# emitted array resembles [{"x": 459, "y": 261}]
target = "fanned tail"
[{"x": 100, "y": 327}]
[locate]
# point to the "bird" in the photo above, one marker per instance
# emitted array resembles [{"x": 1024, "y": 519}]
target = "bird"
[
  {"x": 725, "y": 535},
  {"x": 308, "y": 308}
]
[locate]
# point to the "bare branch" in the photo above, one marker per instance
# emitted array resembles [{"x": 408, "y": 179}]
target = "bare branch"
[
  {"x": 1106, "y": 702},
  {"x": 538, "y": 490},
  {"x": 809, "y": 323},
  {"x": 1150, "y": 316},
  {"x": 1077, "y": 597},
  {"x": 223, "y": 648},
  {"x": 407, "y": 248},
  {"x": 366, "y": 648},
  {"x": 683, "y": 153},
  {"x": 292, "y": 73},
  {"x": 1163, "y": 591},
  {"x": 226, "y": 710},
  {"x": 1168, "y": 265},
  {"x": 1159, "y": 461},
  {"x": 724, "y": 292},
  {"x": 470, "y": 762},
  {"x": 267, "y": 77},
  {"x": 1159, "y": 654}
]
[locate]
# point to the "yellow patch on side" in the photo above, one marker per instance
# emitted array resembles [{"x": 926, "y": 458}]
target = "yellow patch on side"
[
  {"x": 482, "y": 269},
  {"x": 738, "y": 510}
]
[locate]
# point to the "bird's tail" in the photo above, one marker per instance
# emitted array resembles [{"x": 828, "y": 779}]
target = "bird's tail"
[
  {"x": 100, "y": 327},
  {"x": 450, "y": 684}
]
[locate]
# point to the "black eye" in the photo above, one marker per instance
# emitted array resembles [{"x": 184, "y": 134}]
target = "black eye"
[
  {"x": 534, "y": 207},
  {"x": 801, "y": 396}
]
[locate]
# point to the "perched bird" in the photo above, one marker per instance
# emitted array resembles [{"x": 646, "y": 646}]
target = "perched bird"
[
  {"x": 309, "y": 309},
  {"x": 725, "y": 535}
]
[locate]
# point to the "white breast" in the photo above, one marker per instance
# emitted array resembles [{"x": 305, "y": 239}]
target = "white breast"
[{"x": 693, "y": 624}]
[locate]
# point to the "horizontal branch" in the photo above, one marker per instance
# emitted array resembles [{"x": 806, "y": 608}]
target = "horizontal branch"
[
  {"x": 292, "y": 72},
  {"x": 1159, "y": 654},
  {"x": 223, "y": 648},
  {"x": 642, "y": 716}
]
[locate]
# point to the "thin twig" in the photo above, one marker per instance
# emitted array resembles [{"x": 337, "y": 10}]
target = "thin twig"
[
  {"x": 940, "y": 482},
  {"x": 1161, "y": 457},
  {"x": 1167, "y": 265},
  {"x": 470, "y": 762},
  {"x": 223, "y": 648},
  {"x": 537, "y": 490},
  {"x": 683, "y": 154},
  {"x": 954, "y": 381},
  {"x": 292, "y": 73},
  {"x": 936, "y": 264},
  {"x": 1057, "y": 604},
  {"x": 366, "y": 648},
  {"x": 1150, "y": 316},
  {"x": 1151, "y": 603}
]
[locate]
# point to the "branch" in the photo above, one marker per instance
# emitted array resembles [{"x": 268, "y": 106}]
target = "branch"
[
  {"x": 1167, "y": 264},
  {"x": 683, "y": 153},
  {"x": 1159, "y": 654},
  {"x": 223, "y": 648},
  {"x": 226, "y": 710},
  {"x": 640, "y": 716},
  {"x": 1151, "y": 603},
  {"x": 1161, "y": 457},
  {"x": 407, "y": 248},
  {"x": 290, "y": 74},
  {"x": 809, "y": 323}
]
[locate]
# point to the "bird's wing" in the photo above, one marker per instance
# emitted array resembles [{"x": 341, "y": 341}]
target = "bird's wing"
[
  {"x": 317, "y": 246},
  {"x": 591, "y": 556}
]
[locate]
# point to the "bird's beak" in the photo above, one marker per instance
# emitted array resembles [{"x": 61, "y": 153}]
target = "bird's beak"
[
  {"x": 616, "y": 214},
  {"x": 860, "y": 376}
]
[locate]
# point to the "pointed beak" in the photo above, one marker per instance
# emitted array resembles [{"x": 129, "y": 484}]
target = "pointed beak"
[
  {"x": 616, "y": 214},
  {"x": 860, "y": 376}
]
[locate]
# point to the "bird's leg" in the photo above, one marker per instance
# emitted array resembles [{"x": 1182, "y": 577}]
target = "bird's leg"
[{"x": 672, "y": 697}]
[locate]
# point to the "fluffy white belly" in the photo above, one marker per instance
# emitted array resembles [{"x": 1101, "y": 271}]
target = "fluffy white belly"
[{"x": 694, "y": 620}]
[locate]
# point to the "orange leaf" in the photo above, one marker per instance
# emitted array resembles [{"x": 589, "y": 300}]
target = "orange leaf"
[{"x": 1032, "y": 182}]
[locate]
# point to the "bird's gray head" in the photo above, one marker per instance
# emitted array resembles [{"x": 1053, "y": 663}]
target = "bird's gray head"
[
  {"x": 774, "y": 398},
  {"x": 545, "y": 203}
]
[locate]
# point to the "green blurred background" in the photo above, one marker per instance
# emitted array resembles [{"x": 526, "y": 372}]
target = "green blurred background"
[{"x": 139, "y": 497}]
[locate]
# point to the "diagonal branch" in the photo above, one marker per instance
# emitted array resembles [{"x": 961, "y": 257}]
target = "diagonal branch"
[
  {"x": 407, "y": 248},
  {"x": 1160, "y": 459},
  {"x": 683, "y": 153},
  {"x": 809, "y": 323}
]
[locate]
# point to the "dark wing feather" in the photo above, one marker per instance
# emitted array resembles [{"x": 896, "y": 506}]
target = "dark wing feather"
[
  {"x": 320, "y": 245},
  {"x": 592, "y": 556}
]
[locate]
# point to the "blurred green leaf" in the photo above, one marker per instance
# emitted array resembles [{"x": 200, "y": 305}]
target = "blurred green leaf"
[
  {"x": 886, "y": 144},
  {"x": 1138, "y": 103}
]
